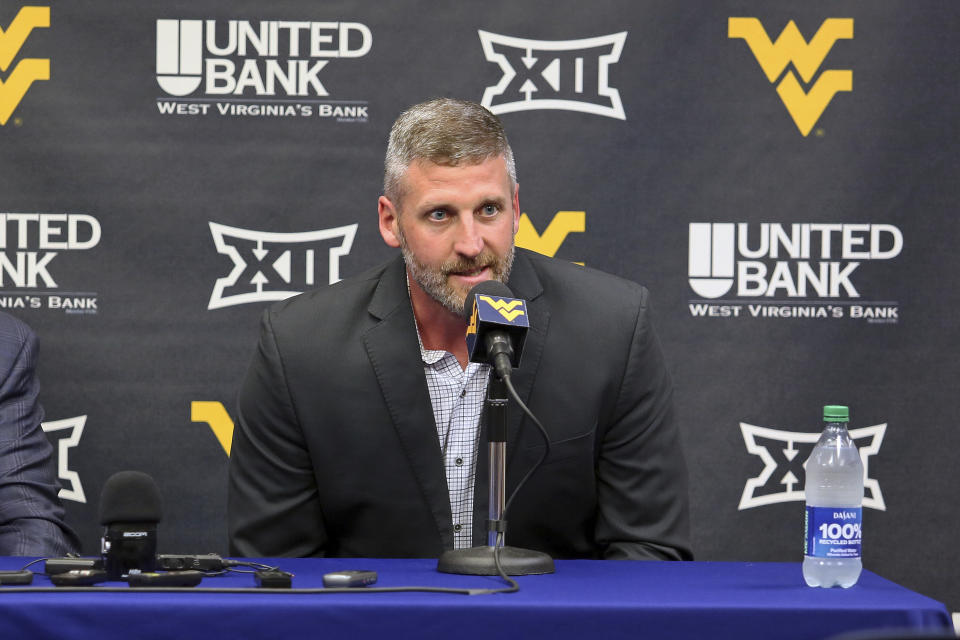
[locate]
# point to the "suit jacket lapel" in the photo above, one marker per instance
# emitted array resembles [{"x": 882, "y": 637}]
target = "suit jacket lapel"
[
  {"x": 526, "y": 285},
  {"x": 393, "y": 350}
]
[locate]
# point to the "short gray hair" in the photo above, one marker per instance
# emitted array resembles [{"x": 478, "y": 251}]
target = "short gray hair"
[{"x": 447, "y": 132}]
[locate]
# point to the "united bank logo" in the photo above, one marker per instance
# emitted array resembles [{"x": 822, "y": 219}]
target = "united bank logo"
[
  {"x": 554, "y": 74},
  {"x": 270, "y": 266},
  {"x": 805, "y": 107},
  {"x": 35, "y": 252},
  {"x": 784, "y": 455},
  {"x": 794, "y": 270},
  {"x": 27, "y": 70},
  {"x": 268, "y": 68}
]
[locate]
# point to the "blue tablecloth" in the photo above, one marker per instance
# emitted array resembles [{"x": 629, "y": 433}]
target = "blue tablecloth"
[{"x": 583, "y": 599}]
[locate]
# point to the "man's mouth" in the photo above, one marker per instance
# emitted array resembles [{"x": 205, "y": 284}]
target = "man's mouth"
[{"x": 469, "y": 273}]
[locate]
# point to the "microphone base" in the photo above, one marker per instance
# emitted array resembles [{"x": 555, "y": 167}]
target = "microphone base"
[{"x": 478, "y": 561}]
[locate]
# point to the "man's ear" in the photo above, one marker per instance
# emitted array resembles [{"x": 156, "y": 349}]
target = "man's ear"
[{"x": 389, "y": 221}]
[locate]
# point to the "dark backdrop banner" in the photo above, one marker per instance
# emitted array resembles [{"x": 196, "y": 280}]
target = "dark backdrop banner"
[{"x": 782, "y": 176}]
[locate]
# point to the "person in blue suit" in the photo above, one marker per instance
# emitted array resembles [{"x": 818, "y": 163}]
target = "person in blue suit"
[{"x": 31, "y": 515}]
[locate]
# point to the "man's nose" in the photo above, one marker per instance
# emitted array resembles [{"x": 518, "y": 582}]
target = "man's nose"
[{"x": 468, "y": 242}]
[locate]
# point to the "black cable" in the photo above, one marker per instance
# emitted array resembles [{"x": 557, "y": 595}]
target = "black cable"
[
  {"x": 466, "y": 592},
  {"x": 546, "y": 441},
  {"x": 246, "y": 563},
  {"x": 514, "y": 587},
  {"x": 24, "y": 567},
  {"x": 229, "y": 567},
  {"x": 256, "y": 566}
]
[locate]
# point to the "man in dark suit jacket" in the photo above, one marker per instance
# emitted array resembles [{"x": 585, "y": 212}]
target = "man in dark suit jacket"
[
  {"x": 31, "y": 516},
  {"x": 340, "y": 448}
]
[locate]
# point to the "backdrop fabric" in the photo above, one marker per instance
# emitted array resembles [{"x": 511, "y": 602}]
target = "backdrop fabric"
[{"x": 782, "y": 177}]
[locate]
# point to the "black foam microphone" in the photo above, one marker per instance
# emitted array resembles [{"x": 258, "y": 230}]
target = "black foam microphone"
[
  {"x": 130, "y": 509},
  {"x": 498, "y": 326}
]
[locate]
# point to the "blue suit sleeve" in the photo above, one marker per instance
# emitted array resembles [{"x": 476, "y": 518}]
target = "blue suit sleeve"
[{"x": 31, "y": 515}]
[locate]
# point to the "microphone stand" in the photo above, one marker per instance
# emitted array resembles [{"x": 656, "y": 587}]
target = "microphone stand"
[{"x": 480, "y": 561}]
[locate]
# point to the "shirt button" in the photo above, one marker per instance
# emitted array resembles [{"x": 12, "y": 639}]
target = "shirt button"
[
  {"x": 463, "y": 393},
  {"x": 459, "y": 461},
  {"x": 457, "y": 527}
]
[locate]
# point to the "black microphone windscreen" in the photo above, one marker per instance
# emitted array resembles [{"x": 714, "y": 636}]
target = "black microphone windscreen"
[
  {"x": 493, "y": 288},
  {"x": 130, "y": 496}
]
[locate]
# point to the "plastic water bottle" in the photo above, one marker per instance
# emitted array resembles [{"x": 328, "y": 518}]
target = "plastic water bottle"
[{"x": 834, "y": 490}]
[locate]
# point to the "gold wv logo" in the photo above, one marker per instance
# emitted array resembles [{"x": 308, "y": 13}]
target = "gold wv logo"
[
  {"x": 27, "y": 70},
  {"x": 215, "y": 415},
  {"x": 805, "y": 108},
  {"x": 507, "y": 309}
]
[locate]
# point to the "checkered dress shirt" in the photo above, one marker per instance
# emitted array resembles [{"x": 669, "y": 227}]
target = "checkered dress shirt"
[{"x": 457, "y": 396}]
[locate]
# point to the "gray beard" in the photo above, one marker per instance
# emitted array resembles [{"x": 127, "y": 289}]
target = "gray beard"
[{"x": 435, "y": 281}]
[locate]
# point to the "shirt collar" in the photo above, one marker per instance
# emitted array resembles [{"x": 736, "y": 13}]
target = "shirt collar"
[{"x": 429, "y": 356}]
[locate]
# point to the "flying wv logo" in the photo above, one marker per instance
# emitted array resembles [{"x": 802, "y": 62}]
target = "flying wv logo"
[
  {"x": 508, "y": 310},
  {"x": 805, "y": 108},
  {"x": 27, "y": 70},
  {"x": 784, "y": 455}
]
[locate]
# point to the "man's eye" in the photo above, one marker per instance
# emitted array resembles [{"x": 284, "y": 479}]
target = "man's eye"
[
  {"x": 490, "y": 210},
  {"x": 437, "y": 215}
]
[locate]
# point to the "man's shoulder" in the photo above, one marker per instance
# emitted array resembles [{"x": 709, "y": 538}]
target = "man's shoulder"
[
  {"x": 13, "y": 329},
  {"x": 15, "y": 336},
  {"x": 341, "y": 299},
  {"x": 560, "y": 278}
]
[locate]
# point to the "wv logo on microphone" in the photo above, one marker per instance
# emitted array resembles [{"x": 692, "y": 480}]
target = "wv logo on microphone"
[
  {"x": 784, "y": 455},
  {"x": 491, "y": 312},
  {"x": 509, "y": 309},
  {"x": 271, "y": 266},
  {"x": 790, "y": 47},
  {"x": 28, "y": 70},
  {"x": 554, "y": 74}
]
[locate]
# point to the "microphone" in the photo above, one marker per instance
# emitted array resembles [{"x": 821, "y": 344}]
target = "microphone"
[
  {"x": 498, "y": 326},
  {"x": 130, "y": 509}
]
